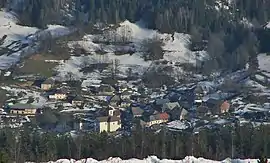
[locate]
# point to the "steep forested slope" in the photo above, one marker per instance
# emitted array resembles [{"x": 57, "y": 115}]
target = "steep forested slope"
[{"x": 232, "y": 28}]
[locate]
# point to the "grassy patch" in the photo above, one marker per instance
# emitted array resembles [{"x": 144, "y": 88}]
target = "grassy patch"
[
  {"x": 51, "y": 56},
  {"x": 37, "y": 67},
  {"x": 3, "y": 95}
]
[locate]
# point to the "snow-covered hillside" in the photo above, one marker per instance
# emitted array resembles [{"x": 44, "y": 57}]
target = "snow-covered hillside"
[
  {"x": 14, "y": 38},
  {"x": 154, "y": 159},
  {"x": 175, "y": 47}
]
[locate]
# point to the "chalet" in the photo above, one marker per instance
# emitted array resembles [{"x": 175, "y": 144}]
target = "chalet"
[
  {"x": 217, "y": 106},
  {"x": 109, "y": 124},
  {"x": 24, "y": 109},
  {"x": 59, "y": 94},
  {"x": 47, "y": 84},
  {"x": 155, "y": 119}
]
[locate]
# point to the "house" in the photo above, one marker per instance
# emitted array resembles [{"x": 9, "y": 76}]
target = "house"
[
  {"x": 109, "y": 124},
  {"x": 125, "y": 104},
  {"x": 178, "y": 113},
  {"x": 224, "y": 107},
  {"x": 170, "y": 106},
  {"x": 183, "y": 114},
  {"x": 137, "y": 111},
  {"x": 155, "y": 119},
  {"x": 77, "y": 101},
  {"x": 106, "y": 89},
  {"x": 217, "y": 106},
  {"x": 24, "y": 109},
  {"x": 126, "y": 94},
  {"x": 47, "y": 84},
  {"x": 85, "y": 124},
  {"x": 59, "y": 94}
]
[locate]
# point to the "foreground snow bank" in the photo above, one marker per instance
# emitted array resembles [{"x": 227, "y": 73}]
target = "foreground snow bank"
[{"x": 154, "y": 159}]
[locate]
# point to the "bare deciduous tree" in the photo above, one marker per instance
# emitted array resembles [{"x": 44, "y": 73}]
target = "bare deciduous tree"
[
  {"x": 69, "y": 76},
  {"x": 125, "y": 34},
  {"x": 114, "y": 70}
]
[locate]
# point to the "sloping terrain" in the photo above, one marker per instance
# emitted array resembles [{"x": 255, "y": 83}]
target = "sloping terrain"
[
  {"x": 17, "y": 40},
  {"x": 126, "y": 43},
  {"x": 13, "y": 39}
]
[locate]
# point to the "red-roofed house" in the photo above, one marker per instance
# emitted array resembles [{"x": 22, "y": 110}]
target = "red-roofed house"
[{"x": 155, "y": 119}]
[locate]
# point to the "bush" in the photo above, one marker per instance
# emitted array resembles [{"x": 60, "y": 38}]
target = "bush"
[{"x": 152, "y": 49}]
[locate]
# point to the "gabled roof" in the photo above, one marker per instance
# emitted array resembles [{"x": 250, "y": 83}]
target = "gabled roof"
[
  {"x": 48, "y": 81},
  {"x": 171, "y": 105},
  {"x": 184, "y": 112},
  {"x": 23, "y": 106},
  {"x": 108, "y": 119},
  {"x": 160, "y": 116},
  {"x": 115, "y": 98},
  {"x": 60, "y": 91}
]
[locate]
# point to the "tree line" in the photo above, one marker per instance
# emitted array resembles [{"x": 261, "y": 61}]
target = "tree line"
[{"x": 220, "y": 143}]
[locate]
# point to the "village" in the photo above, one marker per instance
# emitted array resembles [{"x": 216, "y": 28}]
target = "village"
[{"x": 96, "y": 106}]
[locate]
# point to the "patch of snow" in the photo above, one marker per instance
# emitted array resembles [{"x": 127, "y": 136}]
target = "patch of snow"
[
  {"x": 264, "y": 62},
  {"x": 179, "y": 125},
  {"x": 154, "y": 159},
  {"x": 58, "y": 30},
  {"x": 38, "y": 99},
  {"x": 21, "y": 39},
  {"x": 8, "y": 73},
  {"x": 259, "y": 77},
  {"x": 15, "y": 35},
  {"x": 90, "y": 82},
  {"x": 175, "y": 48},
  {"x": 268, "y": 25},
  {"x": 246, "y": 23},
  {"x": 221, "y": 121}
]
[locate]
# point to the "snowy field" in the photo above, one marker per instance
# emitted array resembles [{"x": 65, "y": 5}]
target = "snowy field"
[
  {"x": 15, "y": 38},
  {"x": 154, "y": 159},
  {"x": 175, "y": 49},
  {"x": 38, "y": 99},
  {"x": 14, "y": 33},
  {"x": 264, "y": 62}
]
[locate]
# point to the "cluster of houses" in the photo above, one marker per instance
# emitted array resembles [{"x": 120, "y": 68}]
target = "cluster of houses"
[{"x": 107, "y": 103}]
